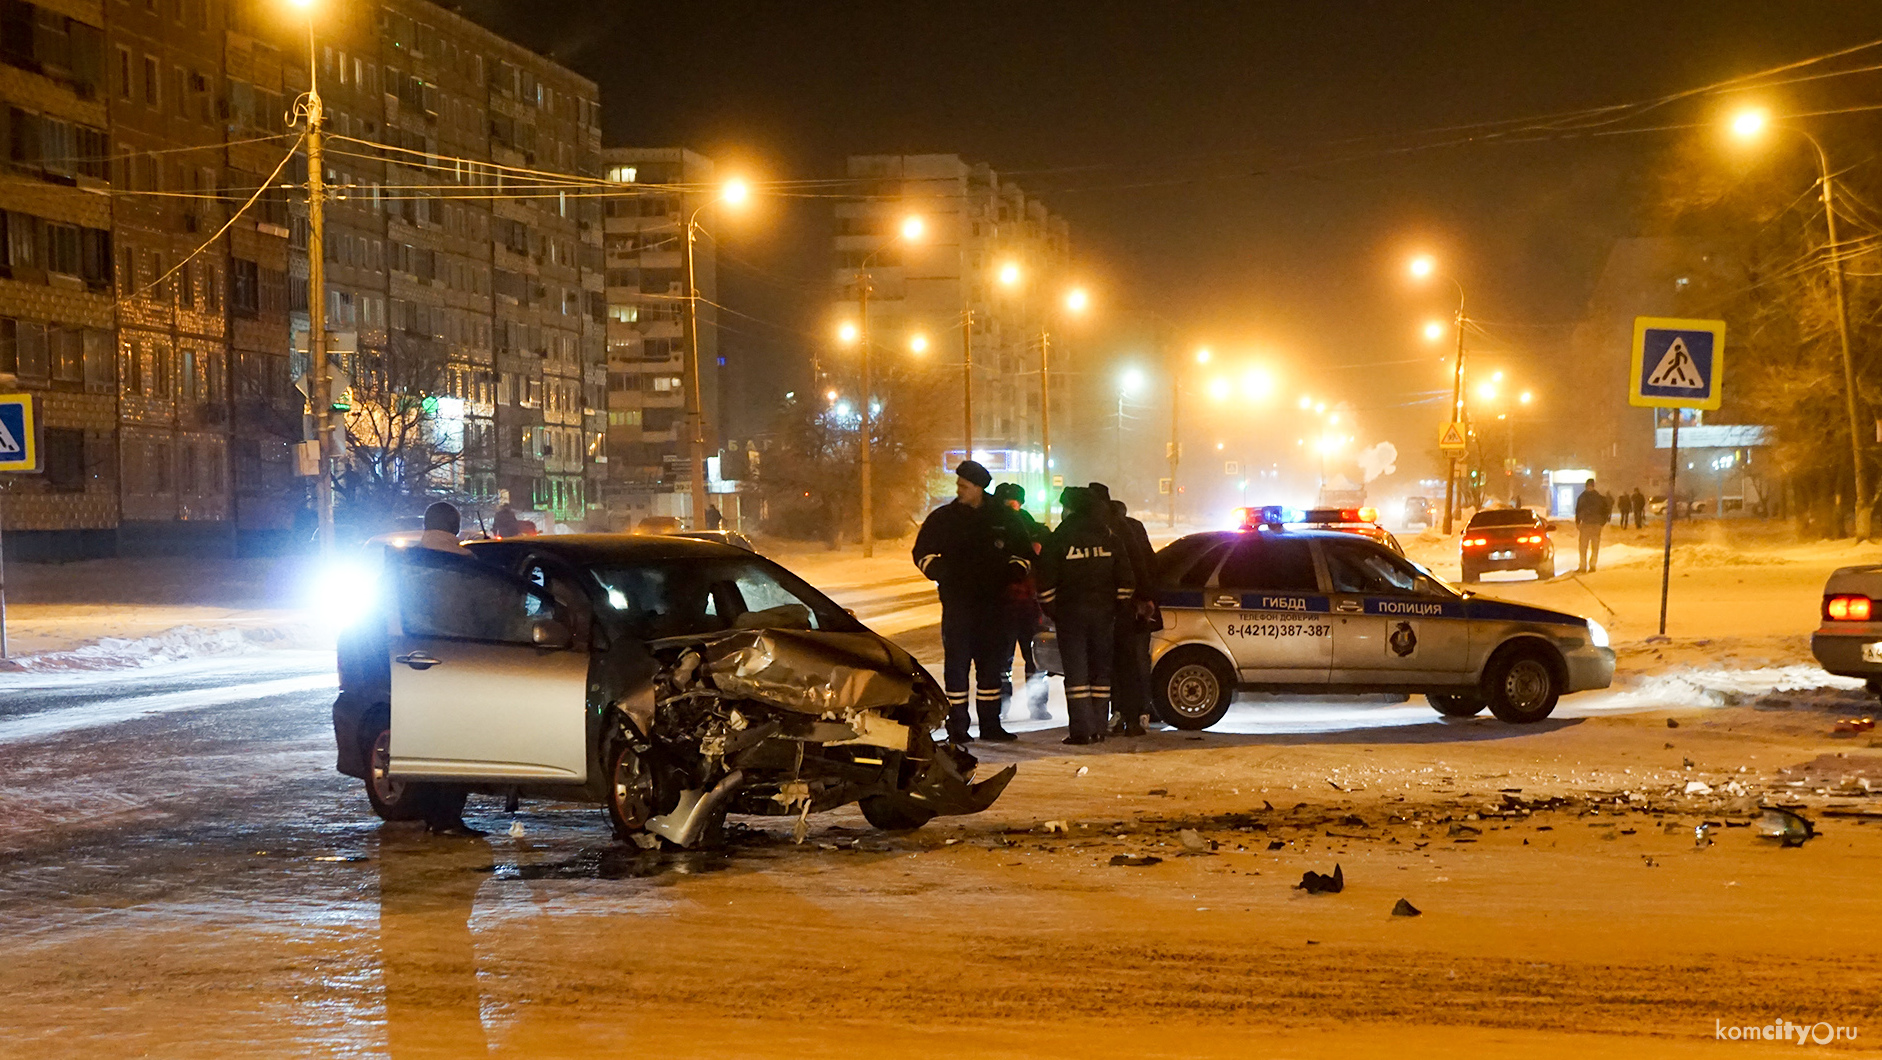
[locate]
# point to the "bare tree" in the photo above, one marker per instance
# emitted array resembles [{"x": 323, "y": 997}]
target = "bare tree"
[{"x": 395, "y": 451}]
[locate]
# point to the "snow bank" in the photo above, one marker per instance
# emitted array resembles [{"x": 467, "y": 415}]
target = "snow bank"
[
  {"x": 170, "y": 646},
  {"x": 1713, "y": 687}
]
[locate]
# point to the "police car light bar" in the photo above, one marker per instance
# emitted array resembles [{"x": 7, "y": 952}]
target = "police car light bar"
[{"x": 1272, "y": 516}]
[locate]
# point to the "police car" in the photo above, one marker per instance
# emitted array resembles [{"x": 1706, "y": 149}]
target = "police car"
[
  {"x": 1327, "y": 612},
  {"x": 1361, "y": 521}
]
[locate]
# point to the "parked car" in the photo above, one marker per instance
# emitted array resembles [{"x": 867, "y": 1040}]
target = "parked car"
[
  {"x": 671, "y": 681},
  {"x": 659, "y": 524},
  {"x": 1332, "y": 613},
  {"x": 1848, "y": 641},
  {"x": 1507, "y": 539},
  {"x": 1419, "y": 512}
]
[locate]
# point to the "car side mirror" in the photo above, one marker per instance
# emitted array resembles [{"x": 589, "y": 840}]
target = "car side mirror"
[{"x": 550, "y": 634}]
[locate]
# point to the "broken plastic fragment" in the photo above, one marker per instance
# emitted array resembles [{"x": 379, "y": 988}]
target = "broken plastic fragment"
[
  {"x": 1135, "y": 861},
  {"x": 1405, "y": 908},
  {"x": 1316, "y": 883},
  {"x": 1788, "y": 828}
]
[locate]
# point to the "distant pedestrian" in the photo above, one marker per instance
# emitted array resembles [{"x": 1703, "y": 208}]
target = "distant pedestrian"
[
  {"x": 1640, "y": 508},
  {"x": 1137, "y": 619},
  {"x": 1625, "y": 504},
  {"x": 1084, "y": 574},
  {"x": 1022, "y": 613},
  {"x": 973, "y": 550},
  {"x": 505, "y": 523},
  {"x": 714, "y": 518},
  {"x": 1592, "y": 511},
  {"x": 442, "y": 523}
]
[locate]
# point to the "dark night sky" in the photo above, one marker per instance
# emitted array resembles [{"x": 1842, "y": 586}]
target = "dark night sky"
[{"x": 1223, "y": 162}]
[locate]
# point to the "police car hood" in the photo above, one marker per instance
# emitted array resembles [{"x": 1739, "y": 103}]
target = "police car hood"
[{"x": 1491, "y": 609}]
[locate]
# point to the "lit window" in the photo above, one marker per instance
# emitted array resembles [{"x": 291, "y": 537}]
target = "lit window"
[{"x": 621, "y": 174}]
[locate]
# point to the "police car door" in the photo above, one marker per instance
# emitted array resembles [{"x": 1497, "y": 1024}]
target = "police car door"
[
  {"x": 1391, "y": 624},
  {"x": 487, "y": 683},
  {"x": 1267, "y": 606}
]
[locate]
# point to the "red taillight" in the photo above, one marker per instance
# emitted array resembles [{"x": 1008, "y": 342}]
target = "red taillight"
[
  {"x": 1476, "y": 542},
  {"x": 1847, "y": 608},
  {"x": 1535, "y": 539}
]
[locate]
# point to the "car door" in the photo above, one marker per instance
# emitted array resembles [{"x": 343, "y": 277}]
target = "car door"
[
  {"x": 1392, "y": 625},
  {"x": 487, "y": 682},
  {"x": 1267, "y": 606}
]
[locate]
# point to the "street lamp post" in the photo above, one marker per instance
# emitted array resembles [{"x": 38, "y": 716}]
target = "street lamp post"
[
  {"x": 1128, "y": 384},
  {"x": 910, "y": 232},
  {"x": 320, "y": 387},
  {"x": 1422, "y": 267},
  {"x": 733, "y": 193},
  {"x": 1076, "y": 301},
  {"x": 967, "y": 384},
  {"x": 1749, "y": 124}
]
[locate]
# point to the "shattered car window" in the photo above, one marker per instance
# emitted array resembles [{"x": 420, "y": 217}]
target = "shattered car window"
[{"x": 689, "y": 598}]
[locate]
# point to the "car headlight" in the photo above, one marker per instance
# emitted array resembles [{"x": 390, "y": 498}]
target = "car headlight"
[{"x": 1597, "y": 634}]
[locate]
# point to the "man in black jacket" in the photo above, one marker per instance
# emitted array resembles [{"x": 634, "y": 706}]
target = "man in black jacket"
[
  {"x": 1592, "y": 511},
  {"x": 1084, "y": 577},
  {"x": 973, "y": 550},
  {"x": 1130, "y": 657}
]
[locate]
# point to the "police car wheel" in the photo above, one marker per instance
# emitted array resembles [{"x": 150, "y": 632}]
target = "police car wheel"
[
  {"x": 398, "y": 800},
  {"x": 1456, "y": 706},
  {"x": 1522, "y": 687},
  {"x": 1192, "y": 689}
]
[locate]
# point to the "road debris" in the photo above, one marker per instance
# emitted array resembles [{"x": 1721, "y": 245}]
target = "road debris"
[
  {"x": 1405, "y": 908},
  {"x": 1789, "y": 828},
  {"x": 1056, "y": 826},
  {"x": 1698, "y": 787},
  {"x": 1135, "y": 861},
  {"x": 1195, "y": 841},
  {"x": 1317, "y": 883}
]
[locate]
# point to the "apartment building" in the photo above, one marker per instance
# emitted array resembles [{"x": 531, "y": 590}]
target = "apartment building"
[
  {"x": 649, "y": 444},
  {"x": 463, "y": 256},
  {"x": 989, "y": 259}
]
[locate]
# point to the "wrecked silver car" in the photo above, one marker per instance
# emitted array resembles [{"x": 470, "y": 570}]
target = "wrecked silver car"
[{"x": 672, "y": 681}]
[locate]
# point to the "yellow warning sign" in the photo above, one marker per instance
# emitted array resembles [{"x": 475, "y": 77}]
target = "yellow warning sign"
[{"x": 1452, "y": 436}]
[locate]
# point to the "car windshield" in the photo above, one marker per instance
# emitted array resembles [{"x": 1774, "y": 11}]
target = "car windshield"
[
  {"x": 695, "y": 597},
  {"x": 1503, "y": 517}
]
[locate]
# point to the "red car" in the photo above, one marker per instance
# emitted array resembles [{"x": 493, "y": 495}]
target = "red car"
[{"x": 1508, "y": 539}]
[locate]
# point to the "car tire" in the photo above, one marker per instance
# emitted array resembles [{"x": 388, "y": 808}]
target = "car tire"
[
  {"x": 1471, "y": 575},
  {"x": 1545, "y": 570},
  {"x": 894, "y": 813},
  {"x": 630, "y": 791},
  {"x": 1192, "y": 688},
  {"x": 401, "y": 800},
  {"x": 1522, "y": 685},
  {"x": 1456, "y": 706}
]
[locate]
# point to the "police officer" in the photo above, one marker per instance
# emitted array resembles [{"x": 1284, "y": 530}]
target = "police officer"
[
  {"x": 1130, "y": 659},
  {"x": 973, "y": 549},
  {"x": 1084, "y": 575},
  {"x": 1022, "y": 610}
]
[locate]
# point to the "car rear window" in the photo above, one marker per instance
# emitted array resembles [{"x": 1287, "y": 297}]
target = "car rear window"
[{"x": 1503, "y": 517}]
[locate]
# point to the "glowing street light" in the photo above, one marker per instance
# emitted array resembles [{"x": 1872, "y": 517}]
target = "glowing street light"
[
  {"x": 1422, "y": 266},
  {"x": 1218, "y": 389},
  {"x": 1434, "y": 330},
  {"x": 1009, "y": 274},
  {"x": 1076, "y": 300},
  {"x": 1525, "y": 397},
  {"x": 910, "y": 232},
  {"x": 918, "y": 343},
  {"x": 1305, "y": 402},
  {"x": 1203, "y": 355},
  {"x": 1131, "y": 381},
  {"x": 1749, "y": 124},
  {"x": 1486, "y": 391},
  {"x": 912, "y": 228},
  {"x": 1257, "y": 384},
  {"x": 847, "y": 334},
  {"x": 734, "y": 192}
]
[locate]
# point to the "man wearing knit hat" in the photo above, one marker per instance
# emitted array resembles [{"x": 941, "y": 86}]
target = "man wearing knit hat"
[{"x": 972, "y": 549}]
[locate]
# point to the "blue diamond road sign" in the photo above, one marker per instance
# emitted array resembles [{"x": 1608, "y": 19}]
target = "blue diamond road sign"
[
  {"x": 19, "y": 433},
  {"x": 1677, "y": 363}
]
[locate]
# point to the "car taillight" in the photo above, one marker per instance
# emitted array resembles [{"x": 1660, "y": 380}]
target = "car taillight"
[
  {"x": 1534, "y": 539},
  {"x": 1847, "y": 608},
  {"x": 1476, "y": 542}
]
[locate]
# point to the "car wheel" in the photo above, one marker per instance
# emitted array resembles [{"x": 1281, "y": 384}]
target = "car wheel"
[
  {"x": 630, "y": 791},
  {"x": 894, "y": 813},
  {"x": 1192, "y": 688},
  {"x": 1522, "y": 686},
  {"x": 401, "y": 800},
  {"x": 1457, "y": 706},
  {"x": 1471, "y": 575},
  {"x": 1545, "y": 570}
]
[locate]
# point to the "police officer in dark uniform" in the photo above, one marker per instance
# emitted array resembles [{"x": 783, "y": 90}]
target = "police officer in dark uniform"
[
  {"x": 1130, "y": 658},
  {"x": 1084, "y": 576},
  {"x": 973, "y": 549},
  {"x": 1022, "y": 610}
]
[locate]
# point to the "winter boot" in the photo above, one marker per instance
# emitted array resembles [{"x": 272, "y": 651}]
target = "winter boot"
[
  {"x": 1039, "y": 696},
  {"x": 990, "y": 730},
  {"x": 1076, "y": 732},
  {"x": 1006, "y": 695},
  {"x": 957, "y": 724}
]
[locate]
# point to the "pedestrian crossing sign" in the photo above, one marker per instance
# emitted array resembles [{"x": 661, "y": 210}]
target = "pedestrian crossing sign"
[
  {"x": 19, "y": 433},
  {"x": 1677, "y": 364}
]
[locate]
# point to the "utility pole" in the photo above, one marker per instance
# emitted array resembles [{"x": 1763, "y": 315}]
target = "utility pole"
[
  {"x": 1176, "y": 391},
  {"x": 695, "y": 404},
  {"x": 1457, "y": 412},
  {"x": 1045, "y": 411},
  {"x": 967, "y": 383},
  {"x": 1864, "y": 519},
  {"x": 321, "y": 395},
  {"x": 869, "y": 508}
]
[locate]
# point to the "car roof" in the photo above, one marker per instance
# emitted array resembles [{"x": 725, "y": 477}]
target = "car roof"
[
  {"x": 614, "y": 548},
  {"x": 1324, "y": 535}
]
